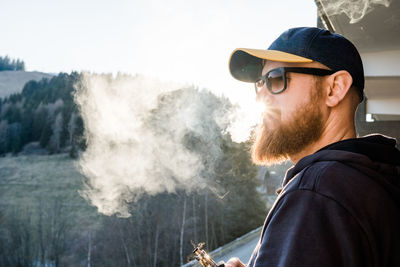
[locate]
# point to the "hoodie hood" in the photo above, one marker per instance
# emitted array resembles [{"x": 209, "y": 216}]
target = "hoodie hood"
[{"x": 376, "y": 156}]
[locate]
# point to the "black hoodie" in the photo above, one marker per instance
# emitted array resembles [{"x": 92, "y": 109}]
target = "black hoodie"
[{"x": 338, "y": 207}]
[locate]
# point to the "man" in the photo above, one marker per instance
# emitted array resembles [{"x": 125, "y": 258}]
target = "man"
[{"x": 340, "y": 203}]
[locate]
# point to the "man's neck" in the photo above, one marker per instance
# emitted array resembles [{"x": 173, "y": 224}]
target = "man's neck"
[{"x": 333, "y": 135}]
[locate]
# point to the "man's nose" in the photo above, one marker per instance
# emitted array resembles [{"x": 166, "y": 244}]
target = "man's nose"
[{"x": 264, "y": 95}]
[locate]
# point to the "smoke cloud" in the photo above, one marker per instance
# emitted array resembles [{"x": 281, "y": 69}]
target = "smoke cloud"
[
  {"x": 140, "y": 134},
  {"x": 355, "y": 10}
]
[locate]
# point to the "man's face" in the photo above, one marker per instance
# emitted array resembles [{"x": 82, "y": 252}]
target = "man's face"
[{"x": 292, "y": 119}]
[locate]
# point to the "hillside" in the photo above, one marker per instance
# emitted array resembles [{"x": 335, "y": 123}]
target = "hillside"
[
  {"x": 40, "y": 206},
  {"x": 44, "y": 221},
  {"x": 37, "y": 181},
  {"x": 25, "y": 179},
  {"x": 13, "y": 81}
]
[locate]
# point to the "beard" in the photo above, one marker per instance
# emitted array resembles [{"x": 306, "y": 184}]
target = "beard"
[{"x": 273, "y": 145}]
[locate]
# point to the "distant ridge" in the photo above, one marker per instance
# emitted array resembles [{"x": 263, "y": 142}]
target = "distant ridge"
[{"x": 13, "y": 81}]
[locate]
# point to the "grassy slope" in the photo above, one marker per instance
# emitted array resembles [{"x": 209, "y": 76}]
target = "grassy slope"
[{"x": 25, "y": 181}]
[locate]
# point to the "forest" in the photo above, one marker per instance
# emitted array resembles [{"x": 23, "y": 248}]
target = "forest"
[{"x": 44, "y": 113}]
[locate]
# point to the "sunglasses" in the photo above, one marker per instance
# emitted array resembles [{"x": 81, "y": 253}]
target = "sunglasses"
[{"x": 276, "y": 79}]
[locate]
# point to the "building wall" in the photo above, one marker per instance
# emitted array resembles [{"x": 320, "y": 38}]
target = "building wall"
[{"x": 389, "y": 128}]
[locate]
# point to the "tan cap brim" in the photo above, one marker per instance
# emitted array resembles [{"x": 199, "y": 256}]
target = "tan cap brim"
[{"x": 246, "y": 64}]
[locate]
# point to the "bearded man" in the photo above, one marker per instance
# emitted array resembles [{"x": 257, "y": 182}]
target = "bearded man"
[{"x": 340, "y": 203}]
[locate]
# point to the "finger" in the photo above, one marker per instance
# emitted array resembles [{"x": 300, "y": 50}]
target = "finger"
[{"x": 233, "y": 262}]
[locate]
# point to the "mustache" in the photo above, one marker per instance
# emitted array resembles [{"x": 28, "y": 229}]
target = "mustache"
[{"x": 269, "y": 111}]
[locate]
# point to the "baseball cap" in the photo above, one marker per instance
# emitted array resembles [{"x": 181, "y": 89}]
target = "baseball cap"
[{"x": 301, "y": 45}]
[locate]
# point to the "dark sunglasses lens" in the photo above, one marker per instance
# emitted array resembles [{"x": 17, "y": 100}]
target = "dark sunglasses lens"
[{"x": 275, "y": 80}]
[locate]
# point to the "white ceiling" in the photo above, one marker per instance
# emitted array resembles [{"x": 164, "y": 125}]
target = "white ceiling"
[
  {"x": 374, "y": 28},
  {"x": 377, "y": 30}
]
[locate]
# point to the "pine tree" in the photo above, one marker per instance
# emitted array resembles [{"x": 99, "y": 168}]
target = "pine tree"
[
  {"x": 6, "y": 64},
  {"x": 46, "y": 133},
  {"x": 13, "y": 138}
]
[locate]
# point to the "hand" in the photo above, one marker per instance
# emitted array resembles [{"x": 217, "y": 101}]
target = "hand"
[{"x": 234, "y": 262}]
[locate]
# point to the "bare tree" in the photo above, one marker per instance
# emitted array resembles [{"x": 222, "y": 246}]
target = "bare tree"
[
  {"x": 206, "y": 217},
  {"x": 55, "y": 138},
  {"x": 89, "y": 255},
  {"x": 182, "y": 228},
  {"x": 156, "y": 244},
  {"x": 71, "y": 127},
  {"x": 128, "y": 260}
]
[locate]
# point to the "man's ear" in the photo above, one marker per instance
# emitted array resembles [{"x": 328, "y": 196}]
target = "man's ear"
[{"x": 339, "y": 84}]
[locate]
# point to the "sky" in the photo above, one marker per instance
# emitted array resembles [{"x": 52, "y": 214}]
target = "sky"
[{"x": 172, "y": 40}]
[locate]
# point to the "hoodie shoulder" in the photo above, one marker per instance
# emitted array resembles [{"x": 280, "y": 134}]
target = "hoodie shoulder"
[
  {"x": 337, "y": 180},
  {"x": 361, "y": 195}
]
